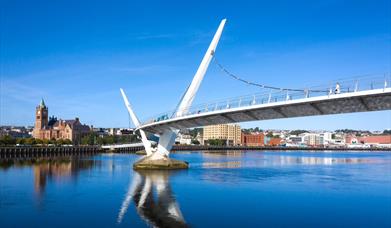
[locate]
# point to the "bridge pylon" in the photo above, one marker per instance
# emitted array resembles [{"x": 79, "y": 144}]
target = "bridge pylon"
[{"x": 158, "y": 158}]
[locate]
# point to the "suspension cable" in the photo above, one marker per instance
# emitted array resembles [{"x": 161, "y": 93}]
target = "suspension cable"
[{"x": 227, "y": 72}]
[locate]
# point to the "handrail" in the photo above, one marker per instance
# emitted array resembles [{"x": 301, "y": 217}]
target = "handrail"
[{"x": 336, "y": 87}]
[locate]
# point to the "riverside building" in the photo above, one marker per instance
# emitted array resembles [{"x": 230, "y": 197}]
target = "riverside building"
[
  {"x": 231, "y": 133},
  {"x": 51, "y": 128},
  {"x": 253, "y": 139}
]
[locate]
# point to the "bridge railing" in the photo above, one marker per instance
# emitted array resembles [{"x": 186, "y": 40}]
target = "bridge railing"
[{"x": 272, "y": 96}]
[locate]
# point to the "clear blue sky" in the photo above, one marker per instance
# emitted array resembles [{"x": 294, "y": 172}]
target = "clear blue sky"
[{"x": 77, "y": 54}]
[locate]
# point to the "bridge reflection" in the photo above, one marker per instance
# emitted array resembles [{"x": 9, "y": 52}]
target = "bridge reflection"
[{"x": 154, "y": 200}]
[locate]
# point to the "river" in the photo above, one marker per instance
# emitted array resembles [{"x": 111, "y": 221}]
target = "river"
[{"x": 220, "y": 189}]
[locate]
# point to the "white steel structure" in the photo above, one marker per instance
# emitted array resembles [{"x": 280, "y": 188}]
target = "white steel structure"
[
  {"x": 254, "y": 107},
  {"x": 168, "y": 135},
  {"x": 363, "y": 95}
]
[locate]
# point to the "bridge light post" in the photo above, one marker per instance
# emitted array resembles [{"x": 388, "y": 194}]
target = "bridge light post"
[{"x": 356, "y": 86}]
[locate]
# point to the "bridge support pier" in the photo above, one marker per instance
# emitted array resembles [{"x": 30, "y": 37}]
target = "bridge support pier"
[{"x": 160, "y": 158}]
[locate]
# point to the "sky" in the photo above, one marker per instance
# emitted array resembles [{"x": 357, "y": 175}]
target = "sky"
[{"x": 77, "y": 54}]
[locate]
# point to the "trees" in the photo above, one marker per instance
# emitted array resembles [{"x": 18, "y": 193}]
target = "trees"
[
  {"x": 251, "y": 130},
  {"x": 89, "y": 139},
  {"x": 298, "y": 132},
  {"x": 7, "y": 140},
  {"x": 387, "y": 132},
  {"x": 269, "y": 134},
  {"x": 195, "y": 142},
  {"x": 216, "y": 142}
]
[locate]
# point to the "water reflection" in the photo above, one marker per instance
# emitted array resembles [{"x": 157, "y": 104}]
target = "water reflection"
[
  {"x": 58, "y": 170},
  {"x": 230, "y": 164},
  {"x": 154, "y": 200},
  {"x": 283, "y": 160},
  {"x": 237, "y": 159},
  {"x": 223, "y": 153}
]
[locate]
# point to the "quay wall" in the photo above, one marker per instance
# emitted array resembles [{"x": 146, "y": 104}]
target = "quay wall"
[
  {"x": 202, "y": 147},
  {"x": 25, "y": 153}
]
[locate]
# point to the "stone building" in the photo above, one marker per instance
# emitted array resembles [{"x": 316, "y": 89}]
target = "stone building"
[
  {"x": 51, "y": 128},
  {"x": 229, "y": 132}
]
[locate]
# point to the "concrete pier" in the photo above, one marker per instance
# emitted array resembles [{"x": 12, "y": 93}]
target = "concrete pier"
[{"x": 147, "y": 163}]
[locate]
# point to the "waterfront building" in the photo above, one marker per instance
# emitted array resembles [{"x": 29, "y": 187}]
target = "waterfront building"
[
  {"x": 313, "y": 139},
  {"x": 294, "y": 139},
  {"x": 183, "y": 137},
  {"x": 114, "y": 131},
  {"x": 229, "y": 132},
  {"x": 51, "y": 128},
  {"x": 253, "y": 139},
  {"x": 327, "y": 137},
  {"x": 372, "y": 140},
  {"x": 275, "y": 141}
]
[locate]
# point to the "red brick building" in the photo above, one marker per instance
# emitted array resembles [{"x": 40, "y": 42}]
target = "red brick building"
[
  {"x": 52, "y": 128},
  {"x": 371, "y": 139},
  {"x": 275, "y": 141},
  {"x": 253, "y": 139}
]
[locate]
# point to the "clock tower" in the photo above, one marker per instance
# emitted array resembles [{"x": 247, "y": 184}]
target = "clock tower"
[{"x": 41, "y": 116}]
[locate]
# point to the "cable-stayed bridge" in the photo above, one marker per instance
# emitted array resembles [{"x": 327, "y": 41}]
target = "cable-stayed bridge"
[
  {"x": 367, "y": 94},
  {"x": 346, "y": 96}
]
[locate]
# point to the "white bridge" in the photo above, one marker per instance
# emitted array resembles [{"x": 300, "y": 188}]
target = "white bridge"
[
  {"x": 258, "y": 107},
  {"x": 346, "y": 96}
]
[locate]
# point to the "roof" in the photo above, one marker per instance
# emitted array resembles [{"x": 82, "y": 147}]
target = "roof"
[
  {"x": 381, "y": 139},
  {"x": 73, "y": 124},
  {"x": 42, "y": 104}
]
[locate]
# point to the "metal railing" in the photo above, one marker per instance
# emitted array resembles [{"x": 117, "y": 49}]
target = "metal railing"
[{"x": 272, "y": 96}]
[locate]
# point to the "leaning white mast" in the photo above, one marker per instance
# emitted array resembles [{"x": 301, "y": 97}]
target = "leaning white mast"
[
  {"x": 167, "y": 138},
  {"x": 188, "y": 98}
]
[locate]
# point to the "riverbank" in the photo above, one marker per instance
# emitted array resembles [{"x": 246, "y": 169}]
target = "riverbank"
[
  {"x": 258, "y": 148},
  {"x": 47, "y": 152}
]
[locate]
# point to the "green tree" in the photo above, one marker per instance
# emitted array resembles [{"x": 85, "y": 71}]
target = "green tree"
[
  {"x": 216, "y": 142},
  {"x": 30, "y": 141},
  {"x": 7, "y": 140},
  {"x": 387, "y": 132},
  {"x": 269, "y": 134},
  {"x": 298, "y": 132},
  {"x": 195, "y": 142},
  {"x": 88, "y": 139},
  {"x": 21, "y": 141}
]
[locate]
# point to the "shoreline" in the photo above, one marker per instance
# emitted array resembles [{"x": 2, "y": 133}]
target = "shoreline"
[
  {"x": 260, "y": 148},
  {"x": 23, "y": 153}
]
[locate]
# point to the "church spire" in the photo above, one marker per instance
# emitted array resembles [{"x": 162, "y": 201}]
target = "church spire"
[{"x": 42, "y": 104}]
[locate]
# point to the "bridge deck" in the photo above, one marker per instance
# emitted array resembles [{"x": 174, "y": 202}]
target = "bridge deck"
[{"x": 362, "y": 101}]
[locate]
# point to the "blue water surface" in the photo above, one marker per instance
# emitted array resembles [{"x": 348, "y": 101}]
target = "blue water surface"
[{"x": 220, "y": 189}]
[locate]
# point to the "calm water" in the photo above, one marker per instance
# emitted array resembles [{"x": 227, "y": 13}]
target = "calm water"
[{"x": 233, "y": 189}]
